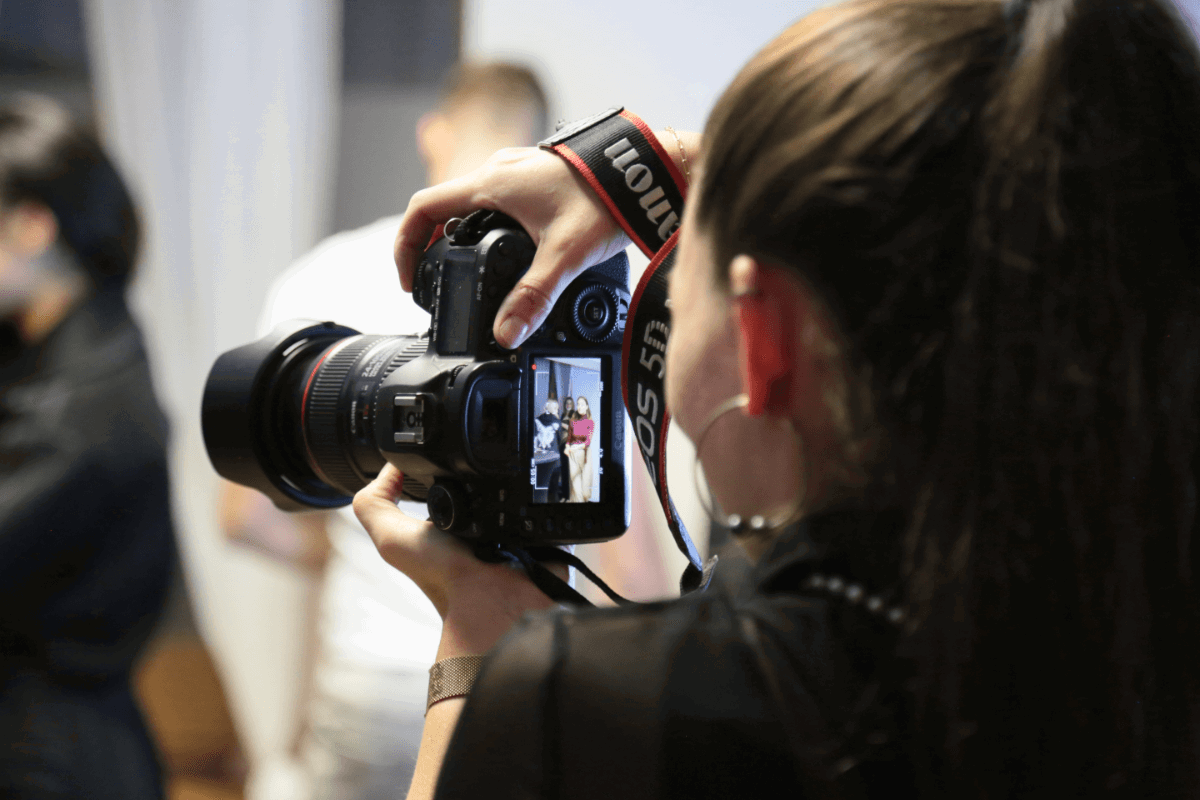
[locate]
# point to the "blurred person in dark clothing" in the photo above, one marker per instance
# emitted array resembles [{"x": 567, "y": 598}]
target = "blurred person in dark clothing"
[{"x": 86, "y": 542}]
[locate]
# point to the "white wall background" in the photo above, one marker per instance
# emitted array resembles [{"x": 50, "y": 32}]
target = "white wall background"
[
  {"x": 1191, "y": 12},
  {"x": 666, "y": 61}
]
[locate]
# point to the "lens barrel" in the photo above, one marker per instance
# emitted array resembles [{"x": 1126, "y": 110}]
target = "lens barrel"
[
  {"x": 337, "y": 402},
  {"x": 289, "y": 415}
]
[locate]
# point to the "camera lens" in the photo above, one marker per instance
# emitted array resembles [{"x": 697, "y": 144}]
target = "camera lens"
[
  {"x": 291, "y": 414},
  {"x": 595, "y": 312}
]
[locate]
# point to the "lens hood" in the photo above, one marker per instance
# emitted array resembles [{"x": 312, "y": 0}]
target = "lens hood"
[{"x": 247, "y": 439}]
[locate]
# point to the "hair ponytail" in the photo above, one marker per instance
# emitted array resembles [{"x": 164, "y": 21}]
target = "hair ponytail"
[
  {"x": 1084, "y": 298},
  {"x": 1075, "y": 68}
]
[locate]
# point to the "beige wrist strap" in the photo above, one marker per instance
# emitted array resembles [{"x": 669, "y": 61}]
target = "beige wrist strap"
[
  {"x": 687, "y": 171},
  {"x": 452, "y": 677}
]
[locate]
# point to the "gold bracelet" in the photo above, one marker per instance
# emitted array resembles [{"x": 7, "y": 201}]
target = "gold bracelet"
[
  {"x": 452, "y": 677},
  {"x": 687, "y": 173}
]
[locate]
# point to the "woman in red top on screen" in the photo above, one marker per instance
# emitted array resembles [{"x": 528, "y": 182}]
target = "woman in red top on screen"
[{"x": 578, "y": 446}]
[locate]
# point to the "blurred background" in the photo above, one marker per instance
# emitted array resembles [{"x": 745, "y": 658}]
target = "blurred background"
[{"x": 249, "y": 131}]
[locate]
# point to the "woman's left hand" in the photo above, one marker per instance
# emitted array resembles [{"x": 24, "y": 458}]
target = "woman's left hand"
[{"x": 478, "y": 602}]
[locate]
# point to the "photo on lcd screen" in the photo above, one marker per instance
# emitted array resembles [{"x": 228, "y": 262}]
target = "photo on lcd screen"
[{"x": 566, "y": 430}]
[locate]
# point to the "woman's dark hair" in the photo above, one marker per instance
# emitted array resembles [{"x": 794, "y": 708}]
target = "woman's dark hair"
[
  {"x": 47, "y": 157},
  {"x": 1000, "y": 204}
]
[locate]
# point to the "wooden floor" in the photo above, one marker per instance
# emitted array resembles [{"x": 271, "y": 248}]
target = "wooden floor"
[
  {"x": 198, "y": 789},
  {"x": 186, "y": 709}
]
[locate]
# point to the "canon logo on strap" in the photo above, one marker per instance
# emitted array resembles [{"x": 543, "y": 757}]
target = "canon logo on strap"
[
  {"x": 624, "y": 163},
  {"x": 640, "y": 180},
  {"x": 620, "y": 158}
]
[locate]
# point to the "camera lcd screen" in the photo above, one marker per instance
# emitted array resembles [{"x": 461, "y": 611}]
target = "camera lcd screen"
[
  {"x": 458, "y": 278},
  {"x": 566, "y": 430}
]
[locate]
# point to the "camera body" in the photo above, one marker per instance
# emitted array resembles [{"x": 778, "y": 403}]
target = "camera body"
[{"x": 313, "y": 411}]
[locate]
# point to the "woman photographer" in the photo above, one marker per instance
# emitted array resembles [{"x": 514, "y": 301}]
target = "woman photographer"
[{"x": 937, "y": 295}]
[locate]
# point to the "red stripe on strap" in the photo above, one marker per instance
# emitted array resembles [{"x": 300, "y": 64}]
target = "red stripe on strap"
[{"x": 627, "y": 339}]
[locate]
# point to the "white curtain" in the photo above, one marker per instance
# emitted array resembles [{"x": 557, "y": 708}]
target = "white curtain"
[{"x": 222, "y": 115}]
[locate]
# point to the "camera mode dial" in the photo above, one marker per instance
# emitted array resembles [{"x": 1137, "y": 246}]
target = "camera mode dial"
[
  {"x": 425, "y": 282},
  {"x": 594, "y": 313}
]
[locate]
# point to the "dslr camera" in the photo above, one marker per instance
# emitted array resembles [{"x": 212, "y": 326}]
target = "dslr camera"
[{"x": 519, "y": 447}]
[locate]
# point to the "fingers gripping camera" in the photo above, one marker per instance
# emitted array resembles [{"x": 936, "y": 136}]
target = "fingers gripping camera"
[{"x": 518, "y": 447}]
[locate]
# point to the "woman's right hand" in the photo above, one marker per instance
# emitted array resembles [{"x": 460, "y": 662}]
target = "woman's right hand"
[{"x": 571, "y": 227}]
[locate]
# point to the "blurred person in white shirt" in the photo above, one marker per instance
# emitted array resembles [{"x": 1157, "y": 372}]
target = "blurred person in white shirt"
[{"x": 375, "y": 632}]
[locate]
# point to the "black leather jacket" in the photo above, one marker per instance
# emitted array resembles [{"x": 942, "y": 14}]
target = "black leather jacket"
[
  {"x": 775, "y": 691},
  {"x": 86, "y": 543},
  {"x": 86, "y": 555}
]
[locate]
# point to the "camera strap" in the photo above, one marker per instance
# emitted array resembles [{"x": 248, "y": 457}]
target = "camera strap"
[
  {"x": 534, "y": 559},
  {"x": 621, "y": 159}
]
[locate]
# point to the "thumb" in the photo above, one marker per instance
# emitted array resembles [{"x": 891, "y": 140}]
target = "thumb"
[{"x": 375, "y": 501}]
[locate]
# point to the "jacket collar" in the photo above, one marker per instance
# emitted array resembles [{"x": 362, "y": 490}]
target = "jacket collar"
[
  {"x": 848, "y": 540},
  {"x": 98, "y": 331}
]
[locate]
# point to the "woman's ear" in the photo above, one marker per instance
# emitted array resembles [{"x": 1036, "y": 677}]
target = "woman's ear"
[{"x": 770, "y": 307}]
